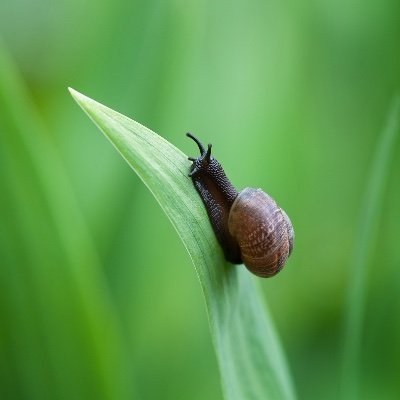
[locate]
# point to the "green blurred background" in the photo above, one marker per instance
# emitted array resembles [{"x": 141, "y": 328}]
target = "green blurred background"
[{"x": 98, "y": 298}]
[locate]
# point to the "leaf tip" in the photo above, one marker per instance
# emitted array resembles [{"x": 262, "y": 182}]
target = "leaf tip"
[
  {"x": 78, "y": 97},
  {"x": 86, "y": 103}
]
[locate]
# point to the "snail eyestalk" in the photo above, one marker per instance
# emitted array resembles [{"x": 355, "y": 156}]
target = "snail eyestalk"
[
  {"x": 197, "y": 141},
  {"x": 208, "y": 154}
]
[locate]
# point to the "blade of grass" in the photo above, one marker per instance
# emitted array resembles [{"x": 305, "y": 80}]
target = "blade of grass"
[
  {"x": 364, "y": 251},
  {"x": 250, "y": 358},
  {"x": 58, "y": 321}
]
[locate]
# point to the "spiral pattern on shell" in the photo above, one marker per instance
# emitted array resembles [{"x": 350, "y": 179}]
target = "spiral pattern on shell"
[{"x": 263, "y": 231}]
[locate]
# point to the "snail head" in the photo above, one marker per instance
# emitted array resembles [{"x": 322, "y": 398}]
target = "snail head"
[{"x": 202, "y": 162}]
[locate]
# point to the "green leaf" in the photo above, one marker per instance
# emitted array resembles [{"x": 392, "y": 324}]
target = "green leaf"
[
  {"x": 250, "y": 358},
  {"x": 364, "y": 252},
  {"x": 60, "y": 337}
]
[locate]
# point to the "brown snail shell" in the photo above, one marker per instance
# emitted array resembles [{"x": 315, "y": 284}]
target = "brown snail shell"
[{"x": 263, "y": 231}]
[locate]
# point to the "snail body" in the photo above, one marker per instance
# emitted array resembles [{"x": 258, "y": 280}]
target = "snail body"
[{"x": 250, "y": 227}]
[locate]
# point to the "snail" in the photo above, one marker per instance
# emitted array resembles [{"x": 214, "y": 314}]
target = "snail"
[{"x": 250, "y": 227}]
